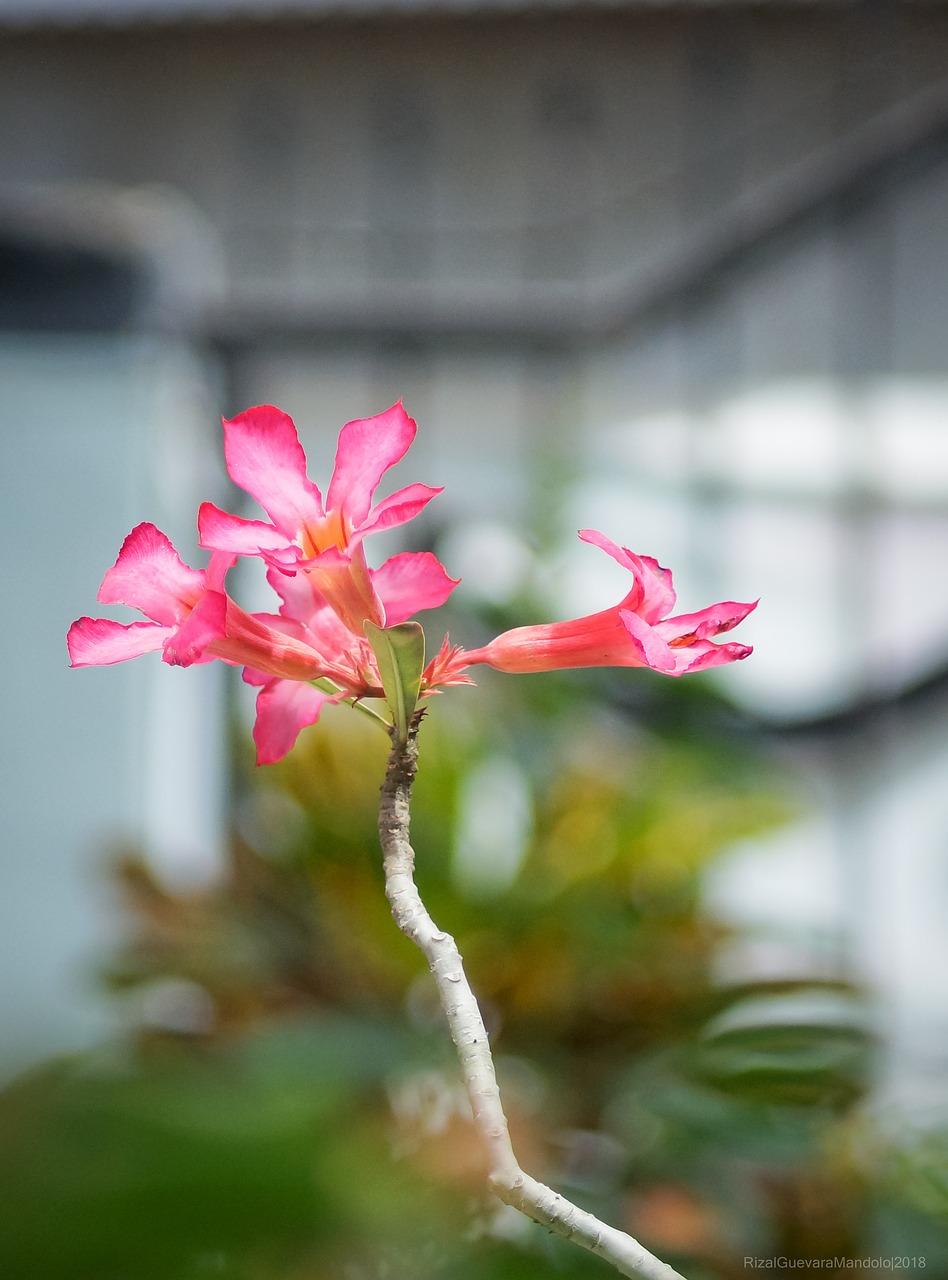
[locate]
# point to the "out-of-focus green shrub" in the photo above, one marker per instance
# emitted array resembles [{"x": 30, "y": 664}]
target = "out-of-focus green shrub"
[{"x": 287, "y": 1104}]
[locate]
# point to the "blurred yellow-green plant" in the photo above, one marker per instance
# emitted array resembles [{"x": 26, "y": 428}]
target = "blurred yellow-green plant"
[{"x": 286, "y": 1102}]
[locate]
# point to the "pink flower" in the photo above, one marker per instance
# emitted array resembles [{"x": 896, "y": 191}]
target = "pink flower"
[
  {"x": 405, "y": 584},
  {"x": 191, "y": 617},
  {"x": 636, "y": 632},
  {"x": 307, "y": 535},
  {"x": 315, "y": 650}
]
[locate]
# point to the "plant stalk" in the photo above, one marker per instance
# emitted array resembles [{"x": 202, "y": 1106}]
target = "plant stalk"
[{"x": 507, "y": 1180}]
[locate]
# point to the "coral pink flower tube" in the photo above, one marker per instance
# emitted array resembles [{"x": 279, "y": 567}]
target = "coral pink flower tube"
[{"x": 634, "y": 633}]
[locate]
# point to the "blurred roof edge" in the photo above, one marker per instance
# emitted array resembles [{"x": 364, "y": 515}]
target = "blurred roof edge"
[
  {"x": 110, "y": 256},
  {"x": 78, "y": 13}
]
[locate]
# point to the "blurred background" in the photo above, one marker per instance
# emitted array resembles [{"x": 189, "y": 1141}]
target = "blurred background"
[{"x": 676, "y": 271}]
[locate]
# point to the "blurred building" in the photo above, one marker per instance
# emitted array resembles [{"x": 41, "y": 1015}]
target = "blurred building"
[
  {"x": 692, "y": 258},
  {"x": 106, "y": 417}
]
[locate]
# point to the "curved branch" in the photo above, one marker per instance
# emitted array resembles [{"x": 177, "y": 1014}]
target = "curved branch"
[{"x": 507, "y": 1179}]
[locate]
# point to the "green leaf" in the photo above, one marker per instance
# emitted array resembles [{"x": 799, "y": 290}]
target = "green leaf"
[{"x": 400, "y": 653}]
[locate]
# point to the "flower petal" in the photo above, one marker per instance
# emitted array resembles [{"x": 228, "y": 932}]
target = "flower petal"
[
  {"x": 597, "y": 539},
  {"x": 219, "y": 531},
  {"x": 284, "y": 707},
  {"x": 297, "y": 591},
  {"x": 206, "y": 623},
  {"x": 655, "y": 597},
  {"x": 655, "y": 652},
  {"x": 305, "y": 607},
  {"x": 218, "y": 567},
  {"x": 149, "y": 575},
  {"x": 708, "y": 622},
  {"x": 367, "y": 448},
  {"x": 343, "y": 580},
  {"x": 410, "y": 582},
  {"x": 279, "y": 646},
  {"x": 264, "y": 456},
  {"x": 398, "y": 508},
  {"x": 705, "y": 653},
  {"x": 658, "y": 594},
  {"x": 98, "y": 642}
]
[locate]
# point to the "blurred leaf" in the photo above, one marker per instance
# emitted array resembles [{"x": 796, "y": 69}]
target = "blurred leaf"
[
  {"x": 806, "y": 1046},
  {"x": 264, "y": 1145},
  {"x": 804, "y": 1065}
]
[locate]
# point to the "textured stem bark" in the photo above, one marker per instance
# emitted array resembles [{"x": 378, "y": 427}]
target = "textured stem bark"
[{"x": 507, "y": 1179}]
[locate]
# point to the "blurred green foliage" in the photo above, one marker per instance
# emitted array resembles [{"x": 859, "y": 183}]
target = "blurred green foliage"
[{"x": 286, "y": 1104}]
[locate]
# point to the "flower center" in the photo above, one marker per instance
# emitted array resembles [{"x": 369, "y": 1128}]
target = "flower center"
[{"x": 331, "y": 531}]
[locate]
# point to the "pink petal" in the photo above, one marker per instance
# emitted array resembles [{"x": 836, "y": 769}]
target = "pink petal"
[
  {"x": 328, "y": 634},
  {"x": 656, "y": 596},
  {"x": 297, "y": 593},
  {"x": 330, "y": 559},
  {"x": 259, "y": 641},
  {"x": 398, "y": 508},
  {"x": 305, "y": 607},
  {"x": 150, "y": 576},
  {"x": 708, "y": 622},
  {"x": 219, "y": 531},
  {"x": 218, "y": 567},
  {"x": 264, "y": 456},
  {"x": 205, "y": 623},
  {"x": 654, "y": 650},
  {"x": 410, "y": 582},
  {"x": 597, "y": 539},
  {"x": 284, "y": 626},
  {"x": 704, "y": 654},
  {"x": 284, "y": 707},
  {"x": 342, "y": 579},
  {"x": 367, "y": 448},
  {"x": 98, "y": 642}
]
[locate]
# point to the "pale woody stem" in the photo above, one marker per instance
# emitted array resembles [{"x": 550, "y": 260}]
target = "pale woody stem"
[{"x": 507, "y": 1179}]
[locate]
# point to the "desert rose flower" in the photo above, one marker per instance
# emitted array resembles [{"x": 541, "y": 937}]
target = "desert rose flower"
[
  {"x": 315, "y": 649},
  {"x": 405, "y": 584},
  {"x": 321, "y": 539},
  {"x": 637, "y": 632},
  {"x": 191, "y": 617}
]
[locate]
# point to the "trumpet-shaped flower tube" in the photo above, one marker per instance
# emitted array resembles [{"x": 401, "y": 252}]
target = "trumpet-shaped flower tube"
[
  {"x": 307, "y": 535},
  {"x": 637, "y": 632}
]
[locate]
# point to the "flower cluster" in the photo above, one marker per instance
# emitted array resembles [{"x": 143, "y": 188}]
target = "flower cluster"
[{"x": 314, "y": 649}]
